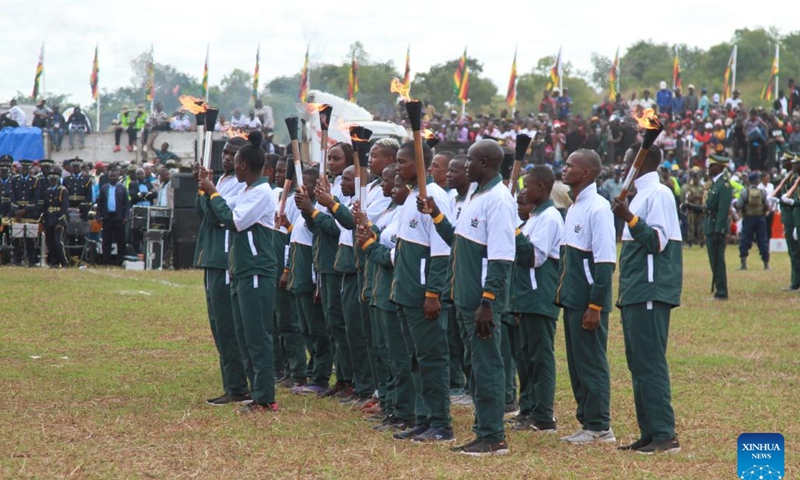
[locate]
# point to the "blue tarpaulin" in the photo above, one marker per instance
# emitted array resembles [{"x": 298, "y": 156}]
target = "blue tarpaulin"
[{"x": 22, "y": 143}]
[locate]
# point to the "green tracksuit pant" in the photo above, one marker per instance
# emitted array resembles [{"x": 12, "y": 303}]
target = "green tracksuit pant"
[
  {"x": 253, "y": 299},
  {"x": 487, "y": 382},
  {"x": 646, "y": 331},
  {"x": 537, "y": 367},
  {"x": 334, "y": 319},
  {"x": 401, "y": 383},
  {"x": 383, "y": 379},
  {"x": 428, "y": 342},
  {"x": 290, "y": 333},
  {"x": 588, "y": 370},
  {"x": 509, "y": 347},
  {"x": 356, "y": 339},
  {"x": 220, "y": 317},
  {"x": 458, "y": 371},
  {"x": 319, "y": 343}
]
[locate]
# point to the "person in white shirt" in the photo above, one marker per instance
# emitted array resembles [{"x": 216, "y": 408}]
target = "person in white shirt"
[
  {"x": 17, "y": 114},
  {"x": 237, "y": 121},
  {"x": 252, "y": 122},
  {"x": 180, "y": 123}
]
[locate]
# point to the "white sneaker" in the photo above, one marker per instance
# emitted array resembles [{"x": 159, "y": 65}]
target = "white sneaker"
[
  {"x": 462, "y": 401},
  {"x": 588, "y": 436},
  {"x": 568, "y": 437}
]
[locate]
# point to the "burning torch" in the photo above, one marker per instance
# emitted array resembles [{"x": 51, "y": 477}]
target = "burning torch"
[
  {"x": 198, "y": 107},
  {"x": 211, "y": 121},
  {"x": 414, "y": 110},
  {"x": 292, "y": 123},
  {"x": 360, "y": 138},
  {"x": 325, "y": 112},
  {"x": 523, "y": 141},
  {"x": 648, "y": 121}
]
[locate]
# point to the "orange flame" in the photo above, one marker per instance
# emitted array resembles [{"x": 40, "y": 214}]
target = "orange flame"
[
  {"x": 647, "y": 119},
  {"x": 192, "y": 104},
  {"x": 356, "y": 138},
  {"x": 397, "y": 87},
  {"x": 427, "y": 134},
  {"x": 315, "y": 107}
]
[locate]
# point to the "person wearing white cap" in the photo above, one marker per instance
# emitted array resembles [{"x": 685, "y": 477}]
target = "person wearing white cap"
[{"x": 664, "y": 99}]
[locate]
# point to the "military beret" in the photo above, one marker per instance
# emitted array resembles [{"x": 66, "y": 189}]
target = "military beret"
[{"x": 718, "y": 160}]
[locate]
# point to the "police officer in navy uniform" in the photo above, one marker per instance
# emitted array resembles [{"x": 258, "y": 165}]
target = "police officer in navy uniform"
[
  {"x": 6, "y": 161},
  {"x": 54, "y": 218},
  {"x": 26, "y": 198},
  {"x": 717, "y": 204},
  {"x": 80, "y": 189}
]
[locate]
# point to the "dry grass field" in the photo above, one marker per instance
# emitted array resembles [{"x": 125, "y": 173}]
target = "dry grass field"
[{"x": 105, "y": 373}]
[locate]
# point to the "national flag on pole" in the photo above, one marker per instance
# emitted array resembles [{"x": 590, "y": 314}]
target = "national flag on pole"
[
  {"x": 94, "y": 79},
  {"x": 39, "y": 72},
  {"x": 205, "y": 77},
  {"x": 676, "y": 70},
  {"x": 463, "y": 91},
  {"x": 511, "y": 93},
  {"x": 727, "y": 79},
  {"x": 255, "y": 75},
  {"x": 150, "y": 86},
  {"x": 304, "y": 80},
  {"x": 457, "y": 77},
  {"x": 352, "y": 86},
  {"x": 613, "y": 78},
  {"x": 407, "y": 75},
  {"x": 555, "y": 72},
  {"x": 766, "y": 93}
]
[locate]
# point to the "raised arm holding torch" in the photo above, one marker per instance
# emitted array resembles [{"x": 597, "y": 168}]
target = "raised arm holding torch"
[
  {"x": 653, "y": 128},
  {"x": 523, "y": 141}
]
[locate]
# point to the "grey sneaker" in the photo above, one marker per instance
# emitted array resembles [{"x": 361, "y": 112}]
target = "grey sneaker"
[
  {"x": 462, "y": 401},
  {"x": 568, "y": 437},
  {"x": 588, "y": 436}
]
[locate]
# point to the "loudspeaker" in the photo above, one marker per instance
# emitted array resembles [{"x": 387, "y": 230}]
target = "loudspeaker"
[
  {"x": 185, "y": 188},
  {"x": 185, "y": 225}
]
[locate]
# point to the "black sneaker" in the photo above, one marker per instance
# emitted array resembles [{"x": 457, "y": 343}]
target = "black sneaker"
[
  {"x": 437, "y": 434},
  {"x": 335, "y": 389},
  {"x": 521, "y": 423},
  {"x": 550, "y": 427},
  {"x": 290, "y": 382},
  {"x": 227, "y": 399},
  {"x": 635, "y": 445},
  {"x": 280, "y": 376},
  {"x": 459, "y": 448},
  {"x": 386, "y": 420},
  {"x": 511, "y": 408},
  {"x": 483, "y": 448},
  {"x": 410, "y": 433},
  {"x": 667, "y": 446}
]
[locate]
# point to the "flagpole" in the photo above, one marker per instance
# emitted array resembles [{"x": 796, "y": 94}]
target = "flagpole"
[
  {"x": 43, "y": 72},
  {"x": 97, "y": 121},
  {"x": 733, "y": 67},
  {"x": 514, "y": 107},
  {"x": 153, "y": 79},
  {"x": 778, "y": 67},
  {"x": 206, "y": 72},
  {"x": 560, "y": 72}
]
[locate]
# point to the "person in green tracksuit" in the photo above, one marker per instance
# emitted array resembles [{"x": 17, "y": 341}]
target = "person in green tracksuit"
[
  {"x": 588, "y": 257},
  {"x": 717, "y": 222},
  {"x": 345, "y": 265},
  {"x": 650, "y": 283},
  {"x": 379, "y": 244},
  {"x": 253, "y": 268},
  {"x": 483, "y": 253},
  {"x": 420, "y": 269},
  {"x": 790, "y": 213},
  {"x": 795, "y": 199},
  {"x": 211, "y": 254},
  {"x": 533, "y": 289},
  {"x": 288, "y": 328},
  {"x": 325, "y": 246},
  {"x": 301, "y": 280}
]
